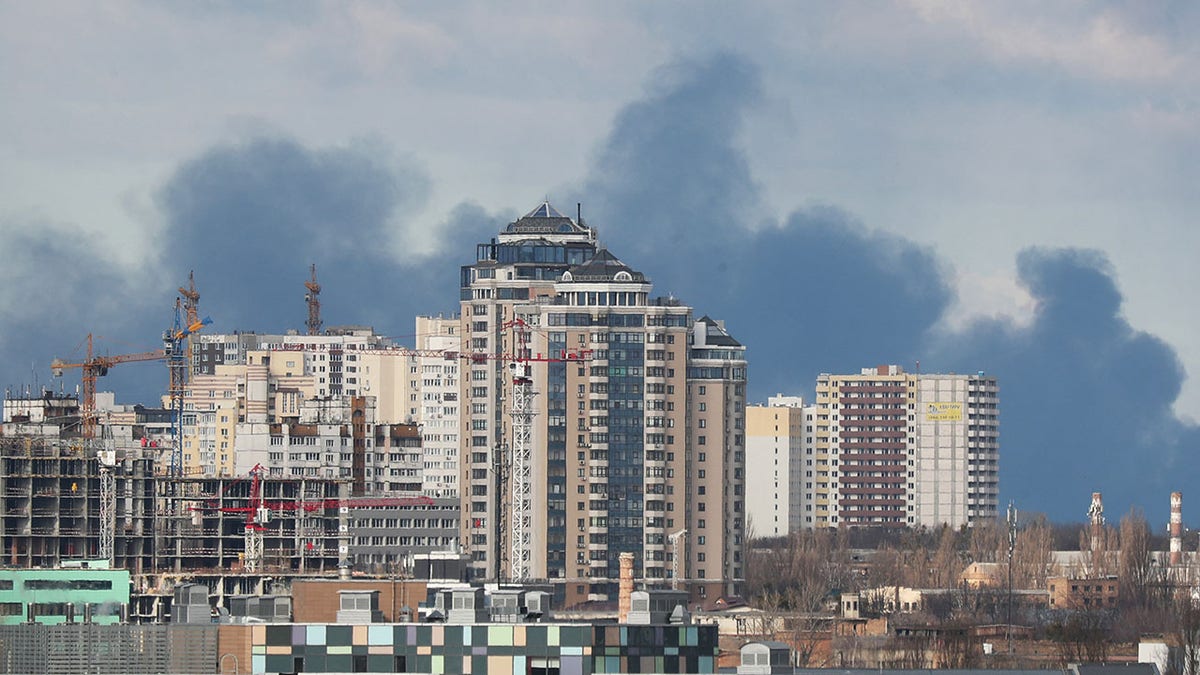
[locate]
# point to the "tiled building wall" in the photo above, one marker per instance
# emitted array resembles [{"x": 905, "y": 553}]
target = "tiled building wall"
[{"x": 492, "y": 648}]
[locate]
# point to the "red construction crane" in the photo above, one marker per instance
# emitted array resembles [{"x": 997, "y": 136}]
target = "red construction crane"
[{"x": 93, "y": 367}]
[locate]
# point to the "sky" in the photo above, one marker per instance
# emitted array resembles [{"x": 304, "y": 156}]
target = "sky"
[{"x": 1006, "y": 187}]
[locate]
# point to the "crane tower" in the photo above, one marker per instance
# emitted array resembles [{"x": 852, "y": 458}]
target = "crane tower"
[
  {"x": 521, "y": 447},
  {"x": 314, "y": 302}
]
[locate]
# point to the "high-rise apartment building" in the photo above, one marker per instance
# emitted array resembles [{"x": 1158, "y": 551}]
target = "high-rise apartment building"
[
  {"x": 636, "y": 438},
  {"x": 898, "y": 449},
  {"x": 779, "y": 442},
  {"x": 435, "y": 401}
]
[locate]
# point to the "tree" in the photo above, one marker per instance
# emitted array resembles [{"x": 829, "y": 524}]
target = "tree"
[
  {"x": 1136, "y": 569},
  {"x": 1185, "y": 659},
  {"x": 1082, "y": 637},
  {"x": 988, "y": 540},
  {"x": 1032, "y": 554}
]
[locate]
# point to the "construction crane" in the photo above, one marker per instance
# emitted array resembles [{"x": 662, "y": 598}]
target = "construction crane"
[
  {"x": 191, "y": 314},
  {"x": 520, "y": 469},
  {"x": 93, "y": 367},
  {"x": 258, "y": 511},
  {"x": 174, "y": 346},
  {"x": 314, "y": 303},
  {"x": 108, "y": 503}
]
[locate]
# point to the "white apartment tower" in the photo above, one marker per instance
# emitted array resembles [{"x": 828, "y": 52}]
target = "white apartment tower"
[
  {"x": 779, "y": 441},
  {"x": 435, "y": 397},
  {"x": 637, "y": 418},
  {"x": 896, "y": 449}
]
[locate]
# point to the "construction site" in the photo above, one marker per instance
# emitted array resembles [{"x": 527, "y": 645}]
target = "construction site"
[{"x": 66, "y": 500}]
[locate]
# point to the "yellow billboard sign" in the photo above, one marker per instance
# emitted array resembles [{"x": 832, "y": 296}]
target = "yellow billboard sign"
[{"x": 943, "y": 412}]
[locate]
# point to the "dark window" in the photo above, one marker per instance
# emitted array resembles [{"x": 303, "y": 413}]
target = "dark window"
[{"x": 68, "y": 584}]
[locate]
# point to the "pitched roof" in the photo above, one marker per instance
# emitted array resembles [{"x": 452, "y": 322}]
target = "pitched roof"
[
  {"x": 604, "y": 266},
  {"x": 544, "y": 219},
  {"x": 716, "y": 335}
]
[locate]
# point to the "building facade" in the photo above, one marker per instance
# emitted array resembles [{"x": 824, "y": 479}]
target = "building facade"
[
  {"x": 636, "y": 428},
  {"x": 434, "y": 402},
  {"x": 779, "y": 442},
  {"x": 897, "y": 449}
]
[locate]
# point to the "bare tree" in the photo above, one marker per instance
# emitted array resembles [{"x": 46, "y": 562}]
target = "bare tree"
[
  {"x": 946, "y": 566},
  {"x": 1032, "y": 553},
  {"x": 1099, "y": 550},
  {"x": 1136, "y": 570},
  {"x": 1185, "y": 659},
  {"x": 988, "y": 541},
  {"x": 1082, "y": 637}
]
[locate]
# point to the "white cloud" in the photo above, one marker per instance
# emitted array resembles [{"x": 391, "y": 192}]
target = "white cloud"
[
  {"x": 1100, "y": 46},
  {"x": 992, "y": 296}
]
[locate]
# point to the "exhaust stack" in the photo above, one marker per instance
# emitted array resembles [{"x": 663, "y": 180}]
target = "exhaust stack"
[
  {"x": 1096, "y": 518},
  {"x": 625, "y": 587},
  {"x": 1176, "y": 528}
]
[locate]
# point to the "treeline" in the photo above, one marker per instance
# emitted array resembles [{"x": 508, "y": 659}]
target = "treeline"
[{"x": 807, "y": 571}]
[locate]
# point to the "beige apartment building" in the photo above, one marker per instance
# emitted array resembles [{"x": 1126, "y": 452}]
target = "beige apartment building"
[
  {"x": 897, "y": 449},
  {"x": 636, "y": 434},
  {"x": 256, "y": 380}
]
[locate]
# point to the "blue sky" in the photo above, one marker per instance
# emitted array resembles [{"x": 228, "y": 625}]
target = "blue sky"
[{"x": 999, "y": 186}]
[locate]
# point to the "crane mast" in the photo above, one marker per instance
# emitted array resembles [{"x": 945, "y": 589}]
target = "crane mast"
[
  {"x": 191, "y": 311},
  {"x": 256, "y": 518},
  {"x": 108, "y": 504},
  {"x": 312, "y": 297},
  {"x": 174, "y": 346},
  {"x": 521, "y": 470}
]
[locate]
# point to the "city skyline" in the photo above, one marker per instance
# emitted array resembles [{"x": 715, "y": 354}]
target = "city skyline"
[{"x": 843, "y": 194}]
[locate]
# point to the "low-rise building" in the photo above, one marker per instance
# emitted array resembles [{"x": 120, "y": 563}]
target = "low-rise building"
[
  {"x": 1077, "y": 593},
  {"x": 78, "y": 592}
]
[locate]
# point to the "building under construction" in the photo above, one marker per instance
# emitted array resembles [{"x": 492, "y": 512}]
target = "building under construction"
[
  {"x": 252, "y": 525},
  {"x": 64, "y": 500}
]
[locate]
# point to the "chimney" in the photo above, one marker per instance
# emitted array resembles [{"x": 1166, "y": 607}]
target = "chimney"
[
  {"x": 625, "y": 589},
  {"x": 1096, "y": 518},
  {"x": 1176, "y": 528}
]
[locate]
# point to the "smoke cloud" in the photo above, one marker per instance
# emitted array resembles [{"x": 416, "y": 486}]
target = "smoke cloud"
[{"x": 1086, "y": 398}]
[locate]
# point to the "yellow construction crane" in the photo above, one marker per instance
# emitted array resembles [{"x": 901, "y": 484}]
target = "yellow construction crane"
[{"x": 93, "y": 367}]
